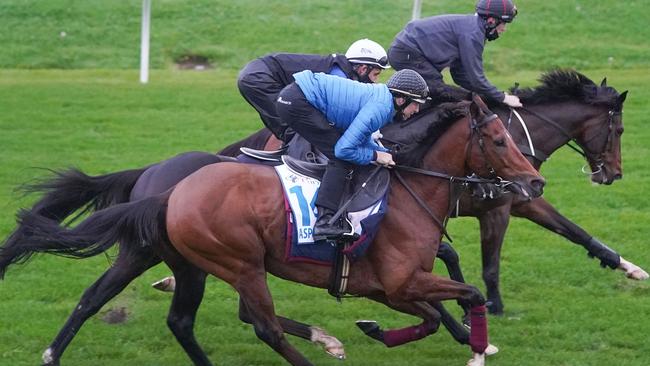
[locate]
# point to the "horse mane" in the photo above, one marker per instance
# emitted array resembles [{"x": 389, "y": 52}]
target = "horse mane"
[
  {"x": 410, "y": 140},
  {"x": 562, "y": 84}
]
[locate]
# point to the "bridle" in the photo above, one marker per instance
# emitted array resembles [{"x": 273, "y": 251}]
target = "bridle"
[
  {"x": 475, "y": 127},
  {"x": 597, "y": 159}
]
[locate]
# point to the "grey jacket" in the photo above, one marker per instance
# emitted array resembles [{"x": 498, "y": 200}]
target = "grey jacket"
[{"x": 456, "y": 41}]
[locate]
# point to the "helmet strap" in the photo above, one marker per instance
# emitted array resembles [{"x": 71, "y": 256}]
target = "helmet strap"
[
  {"x": 491, "y": 32},
  {"x": 365, "y": 78},
  {"x": 400, "y": 108}
]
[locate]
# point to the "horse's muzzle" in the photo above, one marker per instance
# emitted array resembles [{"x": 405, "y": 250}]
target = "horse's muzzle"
[{"x": 529, "y": 189}]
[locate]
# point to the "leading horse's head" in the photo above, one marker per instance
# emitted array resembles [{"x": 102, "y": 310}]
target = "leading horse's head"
[
  {"x": 599, "y": 110},
  {"x": 491, "y": 150},
  {"x": 600, "y": 136}
]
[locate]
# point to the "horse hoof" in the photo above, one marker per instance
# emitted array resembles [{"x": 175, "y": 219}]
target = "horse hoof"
[
  {"x": 491, "y": 350},
  {"x": 332, "y": 346},
  {"x": 494, "y": 308},
  {"x": 478, "y": 359},
  {"x": 371, "y": 328},
  {"x": 632, "y": 270},
  {"x": 637, "y": 274},
  {"x": 167, "y": 284}
]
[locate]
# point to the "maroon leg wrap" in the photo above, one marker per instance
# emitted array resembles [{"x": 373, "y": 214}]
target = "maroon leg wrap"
[
  {"x": 478, "y": 337},
  {"x": 396, "y": 337}
]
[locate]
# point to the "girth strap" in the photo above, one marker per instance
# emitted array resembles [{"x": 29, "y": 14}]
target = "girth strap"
[{"x": 423, "y": 204}]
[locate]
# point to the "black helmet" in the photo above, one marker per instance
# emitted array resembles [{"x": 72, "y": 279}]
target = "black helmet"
[
  {"x": 504, "y": 10},
  {"x": 408, "y": 84}
]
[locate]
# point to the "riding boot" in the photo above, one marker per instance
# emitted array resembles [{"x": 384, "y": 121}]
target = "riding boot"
[
  {"x": 323, "y": 230},
  {"x": 328, "y": 200}
]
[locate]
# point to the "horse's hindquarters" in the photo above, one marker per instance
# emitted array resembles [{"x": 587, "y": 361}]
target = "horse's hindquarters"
[{"x": 215, "y": 217}]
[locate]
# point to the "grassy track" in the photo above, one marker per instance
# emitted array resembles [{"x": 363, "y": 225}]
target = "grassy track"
[{"x": 561, "y": 309}]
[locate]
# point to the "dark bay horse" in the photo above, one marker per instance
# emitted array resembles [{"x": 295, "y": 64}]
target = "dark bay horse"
[
  {"x": 216, "y": 219},
  {"x": 579, "y": 107}
]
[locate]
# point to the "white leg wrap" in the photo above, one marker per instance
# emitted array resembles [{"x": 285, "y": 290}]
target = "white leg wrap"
[{"x": 332, "y": 346}]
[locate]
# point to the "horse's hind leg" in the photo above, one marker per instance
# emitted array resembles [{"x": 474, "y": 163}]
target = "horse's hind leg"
[
  {"x": 332, "y": 346},
  {"x": 255, "y": 295},
  {"x": 127, "y": 267},
  {"x": 188, "y": 294}
]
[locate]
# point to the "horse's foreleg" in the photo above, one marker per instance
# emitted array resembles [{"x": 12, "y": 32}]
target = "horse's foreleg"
[
  {"x": 424, "y": 286},
  {"x": 398, "y": 337},
  {"x": 542, "y": 213},
  {"x": 127, "y": 267},
  {"x": 493, "y": 225},
  {"x": 449, "y": 257}
]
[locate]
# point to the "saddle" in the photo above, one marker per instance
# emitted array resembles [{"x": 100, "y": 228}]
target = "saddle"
[{"x": 301, "y": 157}]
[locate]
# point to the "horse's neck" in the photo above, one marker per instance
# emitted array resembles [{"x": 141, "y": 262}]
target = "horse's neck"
[
  {"x": 447, "y": 156},
  {"x": 545, "y": 136}
]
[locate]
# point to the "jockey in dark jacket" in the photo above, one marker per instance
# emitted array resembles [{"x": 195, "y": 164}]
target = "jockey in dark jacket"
[
  {"x": 338, "y": 116},
  {"x": 456, "y": 41},
  {"x": 262, "y": 79}
]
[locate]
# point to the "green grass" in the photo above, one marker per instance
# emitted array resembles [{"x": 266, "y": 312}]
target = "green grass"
[
  {"x": 105, "y": 33},
  {"x": 561, "y": 308}
]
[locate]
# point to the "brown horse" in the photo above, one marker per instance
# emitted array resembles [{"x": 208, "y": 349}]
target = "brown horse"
[{"x": 227, "y": 219}]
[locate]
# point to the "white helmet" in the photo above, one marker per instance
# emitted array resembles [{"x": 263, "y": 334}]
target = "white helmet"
[{"x": 365, "y": 51}]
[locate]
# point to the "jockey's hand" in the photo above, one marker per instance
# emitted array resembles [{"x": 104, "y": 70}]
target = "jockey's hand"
[
  {"x": 384, "y": 158},
  {"x": 512, "y": 100}
]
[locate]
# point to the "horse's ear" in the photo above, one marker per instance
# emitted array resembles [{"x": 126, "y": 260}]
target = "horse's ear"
[
  {"x": 604, "y": 82},
  {"x": 621, "y": 98}
]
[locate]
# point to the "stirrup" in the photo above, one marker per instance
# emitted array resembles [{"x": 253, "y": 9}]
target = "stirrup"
[
  {"x": 273, "y": 155},
  {"x": 351, "y": 236}
]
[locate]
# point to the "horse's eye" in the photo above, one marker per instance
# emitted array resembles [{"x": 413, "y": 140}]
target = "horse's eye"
[
  {"x": 500, "y": 142},
  {"x": 619, "y": 130}
]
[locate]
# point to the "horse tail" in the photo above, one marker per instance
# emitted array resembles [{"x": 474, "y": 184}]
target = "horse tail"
[
  {"x": 72, "y": 189},
  {"x": 141, "y": 222}
]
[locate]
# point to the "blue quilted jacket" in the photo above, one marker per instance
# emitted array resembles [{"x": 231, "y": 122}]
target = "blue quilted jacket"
[{"x": 355, "y": 109}]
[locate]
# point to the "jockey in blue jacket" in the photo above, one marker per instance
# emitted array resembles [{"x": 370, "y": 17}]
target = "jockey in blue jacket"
[{"x": 338, "y": 116}]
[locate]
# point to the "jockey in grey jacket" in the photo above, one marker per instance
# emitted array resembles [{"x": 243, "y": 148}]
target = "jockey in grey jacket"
[{"x": 456, "y": 41}]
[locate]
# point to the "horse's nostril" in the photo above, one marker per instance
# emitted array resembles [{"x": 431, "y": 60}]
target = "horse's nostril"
[
  {"x": 538, "y": 184},
  {"x": 618, "y": 176}
]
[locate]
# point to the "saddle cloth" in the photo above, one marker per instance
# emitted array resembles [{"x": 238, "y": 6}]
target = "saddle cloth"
[{"x": 300, "y": 192}]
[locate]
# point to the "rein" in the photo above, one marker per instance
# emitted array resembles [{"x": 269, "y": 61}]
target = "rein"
[
  {"x": 579, "y": 149},
  {"x": 475, "y": 126}
]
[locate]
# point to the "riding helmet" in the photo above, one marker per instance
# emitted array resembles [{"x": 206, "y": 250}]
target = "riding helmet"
[
  {"x": 504, "y": 10},
  {"x": 367, "y": 52},
  {"x": 408, "y": 84}
]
